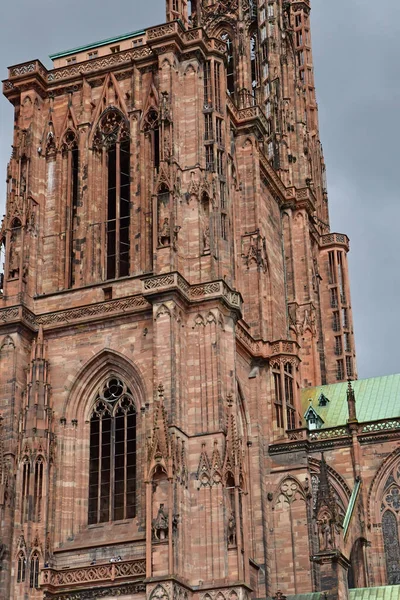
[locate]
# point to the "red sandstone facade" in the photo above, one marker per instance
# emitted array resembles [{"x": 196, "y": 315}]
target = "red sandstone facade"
[{"x": 169, "y": 263}]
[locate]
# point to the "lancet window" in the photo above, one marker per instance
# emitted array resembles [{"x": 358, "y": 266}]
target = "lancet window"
[
  {"x": 112, "y": 138},
  {"x": 38, "y": 489},
  {"x": 21, "y": 567},
  {"x": 390, "y": 511},
  {"x": 112, "y": 476},
  {"x": 34, "y": 569},
  {"x": 71, "y": 170},
  {"x": 26, "y": 476},
  {"x": 230, "y": 64}
]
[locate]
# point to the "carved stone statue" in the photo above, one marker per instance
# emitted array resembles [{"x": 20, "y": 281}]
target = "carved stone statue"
[
  {"x": 326, "y": 539},
  {"x": 206, "y": 239},
  {"x": 160, "y": 524},
  {"x": 164, "y": 235},
  {"x": 232, "y": 530}
]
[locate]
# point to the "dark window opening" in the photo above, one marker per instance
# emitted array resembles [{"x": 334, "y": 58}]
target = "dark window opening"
[
  {"x": 255, "y": 77},
  {"x": 230, "y": 65},
  {"x": 112, "y": 478},
  {"x": 224, "y": 227},
  {"x": 207, "y": 85},
  {"x": 26, "y": 475},
  {"x": 118, "y": 210},
  {"x": 74, "y": 208},
  {"x": 21, "y": 568},
  {"x": 208, "y": 128},
  {"x": 339, "y": 370},
  {"x": 34, "y": 571},
  {"x": 217, "y": 86},
  {"x": 38, "y": 490},
  {"x": 210, "y": 158}
]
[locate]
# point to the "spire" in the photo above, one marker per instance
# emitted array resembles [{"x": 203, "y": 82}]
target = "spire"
[
  {"x": 324, "y": 494},
  {"x": 351, "y": 404}
]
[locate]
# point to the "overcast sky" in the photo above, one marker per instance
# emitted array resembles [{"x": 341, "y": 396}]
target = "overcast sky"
[{"x": 356, "y": 46}]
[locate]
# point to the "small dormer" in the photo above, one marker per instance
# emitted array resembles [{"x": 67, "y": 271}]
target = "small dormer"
[
  {"x": 314, "y": 421},
  {"x": 323, "y": 400}
]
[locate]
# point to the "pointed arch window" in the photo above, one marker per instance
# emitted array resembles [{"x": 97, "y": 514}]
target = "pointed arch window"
[
  {"x": 21, "y": 567},
  {"x": 26, "y": 476},
  {"x": 70, "y": 155},
  {"x": 152, "y": 127},
  {"x": 2, "y": 264},
  {"x": 255, "y": 76},
  {"x": 38, "y": 489},
  {"x": 230, "y": 64},
  {"x": 15, "y": 249},
  {"x": 112, "y": 477},
  {"x": 112, "y": 138},
  {"x": 390, "y": 531},
  {"x": 34, "y": 569}
]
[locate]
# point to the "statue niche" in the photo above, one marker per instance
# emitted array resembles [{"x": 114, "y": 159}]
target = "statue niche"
[
  {"x": 15, "y": 250},
  {"x": 163, "y": 217},
  {"x": 160, "y": 519},
  {"x": 205, "y": 223}
]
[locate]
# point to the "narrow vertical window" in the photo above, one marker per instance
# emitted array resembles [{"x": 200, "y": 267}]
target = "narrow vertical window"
[
  {"x": 255, "y": 78},
  {"x": 208, "y": 127},
  {"x": 339, "y": 370},
  {"x": 2, "y": 264},
  {"x": 217, "y": 86},
  {"x": 289, "y": 396},
  {"x": 26, "y": 475},
  {"x": 345, "y": 318},
  {"x": 336, "y": 321},
  {"x": 278, "y": 398},
  {"x": 113, "y": 138},
  {"x": 210, "y": 158},
  {"x": 220, "y": 162},
  {"x": 38, "y": 490},
  {"x": 341, "y": 277},
  {"x": 34, "y": 571},
  {"x": 390, "y": 531},
  {"x": 207, "y": 85},
  {"x": 71, "y": 165},
  {"x": 230, "y": 64},
  {"x": 349, "y": 366},
  {"x": 338, "y": 345},
  {"x": 21, "y": 568},
  {"x": 218, "y": 131},
  {"x": 331, "y": 268},
  {"x": 112, "y": 476},
  {"x": 333, "y": 297},
  {"x": 224, "y": 227}
]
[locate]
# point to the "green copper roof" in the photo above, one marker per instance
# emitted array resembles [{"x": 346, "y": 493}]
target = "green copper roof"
[
  {"x": 112, "y": 40},
  {"x": 376, "y": 398},
  {"x": 386, "y": 592}
]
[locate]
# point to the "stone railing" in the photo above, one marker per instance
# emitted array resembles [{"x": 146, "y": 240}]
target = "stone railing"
[
  {"x": 333, "y": 239},
  {"x": 53, "y": 579},
  {"x": 379, "y": 426},
  {"x": 199, "y": 291}
]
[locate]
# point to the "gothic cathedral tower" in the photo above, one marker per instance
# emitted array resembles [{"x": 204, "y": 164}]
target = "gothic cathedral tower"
[{"x": 170, "y": 283}]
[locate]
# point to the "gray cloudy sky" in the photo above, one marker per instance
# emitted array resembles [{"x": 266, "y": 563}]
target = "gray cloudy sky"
[{"x": 356, "y": 55}]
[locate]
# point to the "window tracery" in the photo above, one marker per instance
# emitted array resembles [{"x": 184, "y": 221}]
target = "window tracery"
[
  {"x": 390, "y": 511},
  {"x": 112, "y": 139},
  {"x": 34, "y": 570},
  {"x": 70, "y": 153},
  {"x": 112, "y": 478}
]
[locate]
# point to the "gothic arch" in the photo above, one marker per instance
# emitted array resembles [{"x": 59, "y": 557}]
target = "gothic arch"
[
  {"x": 339, "y": 485},
  {"x": 94, "y": 373},
  {"x": 378, "y": 483},
  {"x": 289, "y": 486}
]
